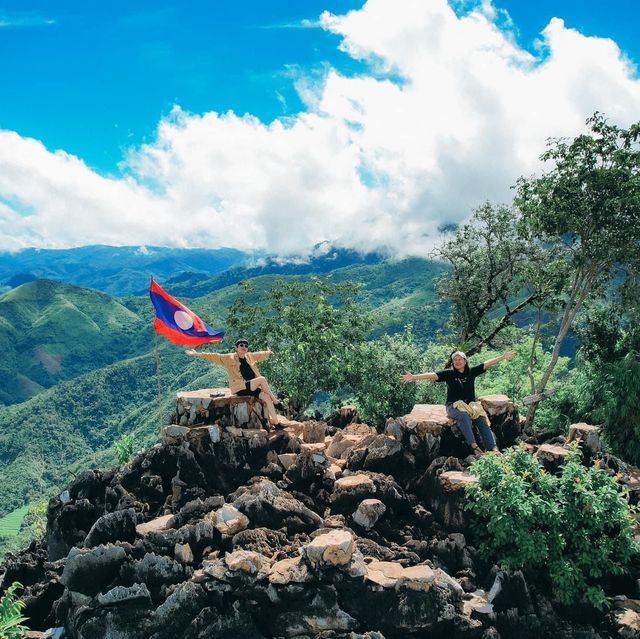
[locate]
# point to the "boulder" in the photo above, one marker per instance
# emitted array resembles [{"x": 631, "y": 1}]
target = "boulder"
[
  {"x": 428, "y": 418},
  {"x": 344, "y": 440},
  {"x": 379, "y": 453},
  {"x": 263, "y": 540},
  {"x": 155, "y": 525},
  {"x": 228, "y": 520},
  {"x": 313, "y": 613},
  {"x": 307, "y": 466},
  {"x": 293, "y": 570},
  {"x": 625, "y": 618},
  {"x": 314, "y": 432},
  {"x": 589, "y": 438},
  {"x": 551, "y": 457},
  {"x": 211, "y": 405},
  {"x": 156, "y": 571},
  {"x": 368, "y": 513},
  {"x": 112, "y": 527},
  {"x": 88, "y": 570},
  {"x": 496, "y": 405},
  {"x": 173, "y": 617},
  {"x": 334, "y": 548},
  {"x": 510, "y": 591},
  {"x": 183, "y": 553},
  {"x": 247, "y": 561},
  {"x": 349, "y": 490},
  {"x": 267, "y": 505}
]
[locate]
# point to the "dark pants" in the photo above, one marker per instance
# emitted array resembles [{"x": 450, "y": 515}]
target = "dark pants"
[{"x": 465, "y": 424}]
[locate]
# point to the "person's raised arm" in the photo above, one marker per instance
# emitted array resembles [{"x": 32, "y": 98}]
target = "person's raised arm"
[
  {"x": 210, "y": 357},
  {"x": 258, "y": 356},
  {"x": 410, "y": 377},
  {"x": 501, "y": 358}
]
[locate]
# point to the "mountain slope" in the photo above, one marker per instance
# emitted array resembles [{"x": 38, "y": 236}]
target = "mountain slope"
[
  {"x": 66, "y": 429},
  {"x": 50, "y": 331}
]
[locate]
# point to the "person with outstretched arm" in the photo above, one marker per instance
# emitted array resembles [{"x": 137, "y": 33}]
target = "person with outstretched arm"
[
  {"x": 461, "y": 396},
  {"x": 243, "y": 375}
]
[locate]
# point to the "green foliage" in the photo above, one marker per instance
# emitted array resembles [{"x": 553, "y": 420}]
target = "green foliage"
[
  {"x": 310, "y": 325},
  {"x": 497, "y": 272},
  {"x": 589, "y": 202},
  {"x": 11, "y": 618},
  {"x": 572, "y": 529},
  {"x": 586, "y": 208},
  {"x": 374, "y": 370},
  {"x": 512, "y": 378},
  {"x": 36, "y": 519},
  {"x": 124, "y": 447}
]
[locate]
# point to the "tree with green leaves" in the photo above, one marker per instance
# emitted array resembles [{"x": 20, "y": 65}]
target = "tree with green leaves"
[
  {"x": 310, "y": 324},
  {"x": 586, "y": 207},
  {"x": 496, "y": 274}
]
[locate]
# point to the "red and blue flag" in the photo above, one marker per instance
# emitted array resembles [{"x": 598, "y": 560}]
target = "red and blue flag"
[{"x": 177, "y": 323}]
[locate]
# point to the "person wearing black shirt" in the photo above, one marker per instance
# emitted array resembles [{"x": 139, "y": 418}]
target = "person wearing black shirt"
[{"x": 460, "y": 380}]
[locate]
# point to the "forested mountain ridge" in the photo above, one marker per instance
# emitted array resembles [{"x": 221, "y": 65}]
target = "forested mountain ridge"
[
  {"x": 52, "y": 331},
  {"x": 118, "y": 270}
]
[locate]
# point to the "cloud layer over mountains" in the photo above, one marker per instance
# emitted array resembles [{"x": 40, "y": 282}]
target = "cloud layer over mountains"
[{"x": 449, "y": 114}]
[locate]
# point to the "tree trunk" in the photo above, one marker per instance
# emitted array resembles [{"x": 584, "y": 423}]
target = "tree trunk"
[{"x": 581, "y": 287}]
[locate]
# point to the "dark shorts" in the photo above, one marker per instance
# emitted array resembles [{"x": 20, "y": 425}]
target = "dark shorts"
[{"x": 247, "y": 391}]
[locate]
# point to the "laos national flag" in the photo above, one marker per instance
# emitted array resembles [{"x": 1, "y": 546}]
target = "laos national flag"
[{"x": 177, "y": 323}]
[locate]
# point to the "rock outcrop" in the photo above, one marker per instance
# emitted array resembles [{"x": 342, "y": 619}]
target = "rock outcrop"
[{"x": 324, "y": 530}]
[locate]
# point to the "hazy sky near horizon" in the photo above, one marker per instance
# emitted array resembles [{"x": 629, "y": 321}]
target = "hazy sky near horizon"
[{"x": 278, "y": 125}]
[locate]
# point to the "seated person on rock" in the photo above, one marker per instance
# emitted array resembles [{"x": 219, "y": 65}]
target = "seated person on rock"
[
  {"x": 461, "y": 396},
  {"x": 244, "y": 376}
]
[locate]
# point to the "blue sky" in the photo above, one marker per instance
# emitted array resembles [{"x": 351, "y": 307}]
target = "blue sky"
[
  {"x": 94, "y": 78},
  {"x": 130, "y": 117}
]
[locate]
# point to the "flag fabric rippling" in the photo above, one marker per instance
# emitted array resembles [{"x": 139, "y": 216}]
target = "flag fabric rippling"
[{"x": 177, "y": 323}]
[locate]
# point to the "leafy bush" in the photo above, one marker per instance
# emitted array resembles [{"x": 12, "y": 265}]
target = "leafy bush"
[
  {"x": 570, "y": 530},
  {"x": 10, "y": 614},
  {"x": 124, "y": 447}
]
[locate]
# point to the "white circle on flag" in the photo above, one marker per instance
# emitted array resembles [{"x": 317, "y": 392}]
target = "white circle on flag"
[{"x": 183, "y": 320}]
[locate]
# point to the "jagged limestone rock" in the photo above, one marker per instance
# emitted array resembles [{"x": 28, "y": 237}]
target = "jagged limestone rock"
[
  {"x": 292, "y": 570},
  {"x": 229, "y": 520},
  {"x": 211, "y": 405},
  {"x": 88, "y": 570},
  {"x": 368, "y": 513},
  {"x": 334, "y": 548},
  {"x": 247, "y": 561}
]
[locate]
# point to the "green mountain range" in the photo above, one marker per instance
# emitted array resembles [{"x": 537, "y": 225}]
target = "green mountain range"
[
  {"x": 51, "y": 331},
  {"x": 118, "y": 270}
]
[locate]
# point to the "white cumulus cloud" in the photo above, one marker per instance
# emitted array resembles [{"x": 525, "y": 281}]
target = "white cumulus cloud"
[{"x": 451, "y": 112}]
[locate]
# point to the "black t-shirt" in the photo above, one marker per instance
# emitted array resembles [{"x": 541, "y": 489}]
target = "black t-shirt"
[
  {"x": 460, "y": 385},
  {"x": 245, "y": 370}
]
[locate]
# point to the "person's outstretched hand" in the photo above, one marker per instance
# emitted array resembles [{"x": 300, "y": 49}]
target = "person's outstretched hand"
[
  {"x": 407, "y": 377},
  {"x": 509, "y": 355},
  {"x": 190, "y": 352}
]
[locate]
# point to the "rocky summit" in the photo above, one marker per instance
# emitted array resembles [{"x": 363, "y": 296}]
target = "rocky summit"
[{"x": 317, "y": 529}]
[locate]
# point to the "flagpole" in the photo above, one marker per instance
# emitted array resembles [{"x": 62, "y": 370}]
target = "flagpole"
[{"x": 156, "y": 351}]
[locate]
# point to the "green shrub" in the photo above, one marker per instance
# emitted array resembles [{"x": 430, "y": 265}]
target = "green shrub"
[
  {"x": 11, "y": 614},
  {"x": 570, "y": 530},
  {"x": 124, "y": 447}
]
